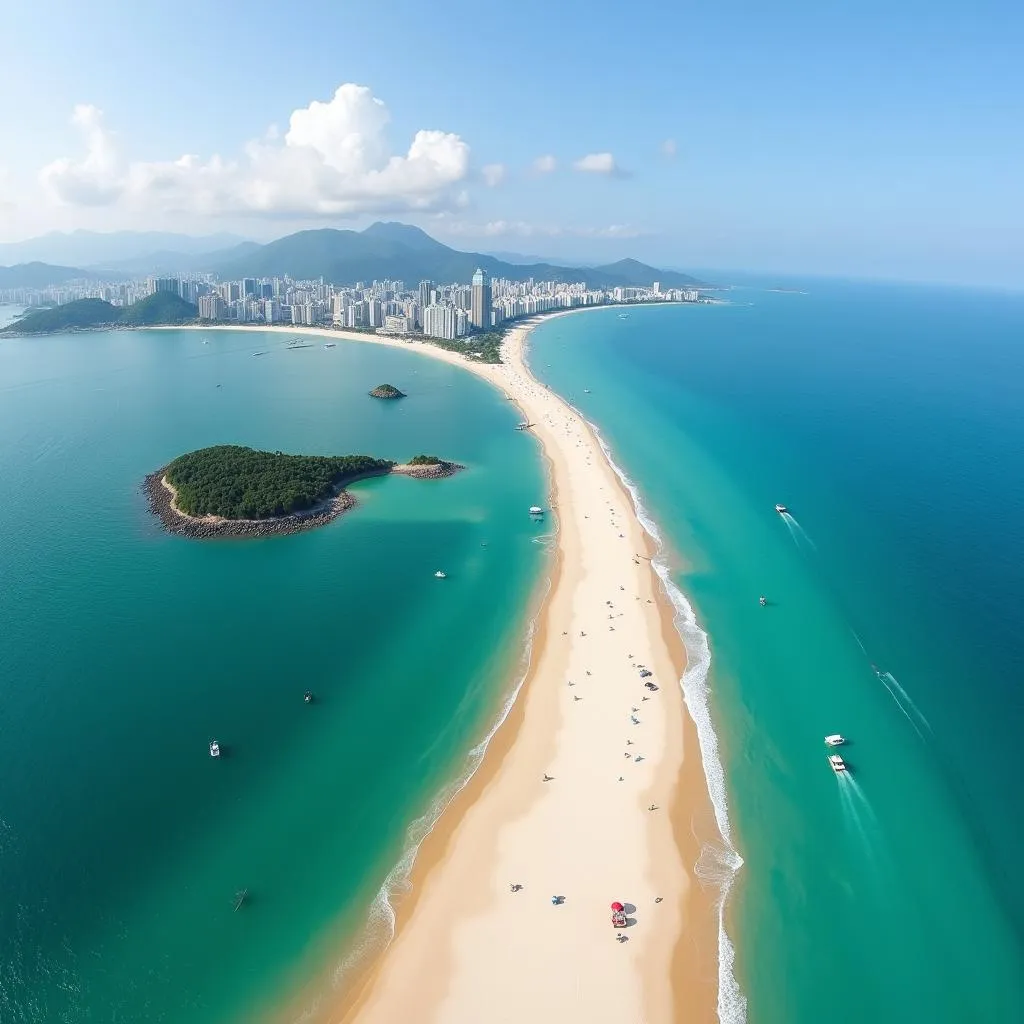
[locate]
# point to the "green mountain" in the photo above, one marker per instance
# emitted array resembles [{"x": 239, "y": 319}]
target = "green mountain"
[
  {"x": 39, "y": 275},
  {"x": 159, "y": 308},
  {"x": 400, "y": 252}
]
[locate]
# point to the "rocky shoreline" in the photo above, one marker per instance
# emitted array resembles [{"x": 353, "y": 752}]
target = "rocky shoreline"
[
  {"x": 433, "y": 472},
  {"x": 160, "y": 499},
  {"x": 161, "y": 504}
]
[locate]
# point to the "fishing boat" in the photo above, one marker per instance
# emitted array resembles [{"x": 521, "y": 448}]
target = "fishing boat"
[
  {"x": 835, "y": 740},
  {"x": 781, "y": 509},
  {"x": 536, "y": 510},
  {"x": 214, "y": 748},
  {"x": 837, "y": 763},
  {"x": 331, "y": 344},
  {"x": 441, "y": 575},
  {"x": 308, "y": 696}
]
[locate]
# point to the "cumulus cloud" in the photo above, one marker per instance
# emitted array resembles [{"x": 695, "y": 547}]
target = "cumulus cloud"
[
  {"x": 334, "y": 160},
  {"x": 94, "y": 179},
  {"x": 597, "y": 163},
  {"x": 669, "y": 149},
  {"x": 493, "y": 174},
  {"x": 544, "y": 164}
]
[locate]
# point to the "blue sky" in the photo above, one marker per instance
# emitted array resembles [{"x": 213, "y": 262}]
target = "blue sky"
[{"x": 869, "y": 141}]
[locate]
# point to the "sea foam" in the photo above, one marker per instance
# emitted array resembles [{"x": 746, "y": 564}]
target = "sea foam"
[{"x": 720, "y": 862}]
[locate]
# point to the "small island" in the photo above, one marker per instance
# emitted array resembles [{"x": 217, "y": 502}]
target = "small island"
[
  {"x": 427, "y": 467},
  {"x": 233, "y": 491},
  {"x": 386, "y": 391}
]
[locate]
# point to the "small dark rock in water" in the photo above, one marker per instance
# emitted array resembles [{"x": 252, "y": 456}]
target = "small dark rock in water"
[{"x": 386, "y": 391}]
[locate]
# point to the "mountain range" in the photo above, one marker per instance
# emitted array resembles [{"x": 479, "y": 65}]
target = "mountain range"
[
  {"x": 108, "y": 249},
  {"x": 384, "y": 250}
]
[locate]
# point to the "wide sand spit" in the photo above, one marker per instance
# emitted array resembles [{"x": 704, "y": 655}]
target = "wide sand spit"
[{"x": 592, "y": 790}]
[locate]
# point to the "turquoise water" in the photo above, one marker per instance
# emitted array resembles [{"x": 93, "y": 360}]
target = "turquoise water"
[
  {"x": 891, "y": 421},
  {"x": 124, "y": 650}
]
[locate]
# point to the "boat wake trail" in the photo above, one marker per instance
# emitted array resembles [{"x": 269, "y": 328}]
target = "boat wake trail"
[
  {"x": 800, "y": 536},
  {"x": 719, "y": 861},
  {"x": 860, "y": 818},
  {"x": 904, "y": 703}
]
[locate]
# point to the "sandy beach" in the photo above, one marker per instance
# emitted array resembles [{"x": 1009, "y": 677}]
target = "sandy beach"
[{"x": 591, "y": 791}]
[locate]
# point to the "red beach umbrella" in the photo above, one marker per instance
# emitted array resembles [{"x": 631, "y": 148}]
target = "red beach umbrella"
[{"x": 617, "y": 906}]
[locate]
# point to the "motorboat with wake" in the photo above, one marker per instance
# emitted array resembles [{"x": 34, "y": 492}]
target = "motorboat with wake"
[
  {"x": 782, "y": 510},
  {"x": 837, "y": 763}
]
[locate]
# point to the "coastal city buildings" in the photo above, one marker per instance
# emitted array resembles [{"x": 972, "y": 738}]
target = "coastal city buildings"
[{"x": 446, "y": 311}]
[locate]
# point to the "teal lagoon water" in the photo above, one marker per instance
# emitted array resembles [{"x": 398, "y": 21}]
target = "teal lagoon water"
[
  {"x": 124, "y": 650},
  {"x": 890, "y": 420}
]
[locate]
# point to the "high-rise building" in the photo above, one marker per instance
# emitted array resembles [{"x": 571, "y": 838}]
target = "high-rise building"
[
  {"x": 211, "y": 307},
  {"x": 439, "y": 322},
  {"x": 480, "y": 311},
  {"x": 164, "y": 284},
  {"x": 426, "y": 287},
  {"x": 248, "y": 287}
]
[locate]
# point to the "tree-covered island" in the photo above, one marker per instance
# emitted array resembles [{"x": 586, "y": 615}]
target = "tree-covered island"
[{"x": 232, "y": 491}]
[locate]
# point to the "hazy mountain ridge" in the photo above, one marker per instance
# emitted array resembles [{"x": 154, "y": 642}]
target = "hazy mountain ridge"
[
  {"x": 400, "y": 252},
  {"x": 384, "y": 250},
  {"x": 103, "y": 248}
]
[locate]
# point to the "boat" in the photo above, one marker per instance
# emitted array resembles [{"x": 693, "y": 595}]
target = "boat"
[
  {"x": 308, "y": 696},
  {"x": 782, "y": 510},
  {"x": 331, "y": 344},
  {"x": 837, "y": 763},
  {"x": 762, "y": 600},
  {"x": 835, "y": 740},
  {"x": 441, "y": 575},
  {"x": 586, "y": 391},
  {"x": 623, "y": 316},
  {"x": 536, "y": 510},
  {"x": 214, "y": 748}
]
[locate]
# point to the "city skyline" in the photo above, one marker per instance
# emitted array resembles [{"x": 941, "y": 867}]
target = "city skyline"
[{"x": 796, "y": 140}]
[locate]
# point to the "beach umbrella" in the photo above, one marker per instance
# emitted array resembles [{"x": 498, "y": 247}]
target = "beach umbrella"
[{"x": 617, "y": 906}]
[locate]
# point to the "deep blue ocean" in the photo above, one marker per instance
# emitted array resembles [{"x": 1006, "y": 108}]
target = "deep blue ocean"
[{"x": 890, "y": 420}]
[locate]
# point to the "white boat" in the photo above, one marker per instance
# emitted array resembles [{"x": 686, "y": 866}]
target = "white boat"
[
  {"x": 837, "y": 763},
  {"x": 781, "y": 509},
  {"x": 586, "y": 391},
  {"x": 214, "y": 748},
  {"x": 536, "y": 510},
  {"x": 835, "y": 740},
  {"x": 441, "y": 575},
  {"x": 623, "y": 316}
]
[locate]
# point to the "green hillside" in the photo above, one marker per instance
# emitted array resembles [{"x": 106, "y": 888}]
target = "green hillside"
[{"x": 159, "y": 308}]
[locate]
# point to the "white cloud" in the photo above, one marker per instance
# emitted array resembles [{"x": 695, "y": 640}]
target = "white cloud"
[
  {"x": 544, "y": 164},
  {"x": 93, "y": 180},
  {"x": 669, "y": 149},
  {"x": 597, "y": 163},
  {"x": 335, "y": 160},
  {"x": 493, "y": 174}
]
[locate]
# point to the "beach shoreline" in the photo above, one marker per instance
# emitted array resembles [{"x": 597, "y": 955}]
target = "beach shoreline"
[{"x": 463, "y": 943}]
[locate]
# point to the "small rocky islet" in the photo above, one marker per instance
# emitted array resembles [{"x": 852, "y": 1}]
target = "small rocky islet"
[
  {"x": 387, "y": 391},
  {"x": 234, "y": 491}
]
